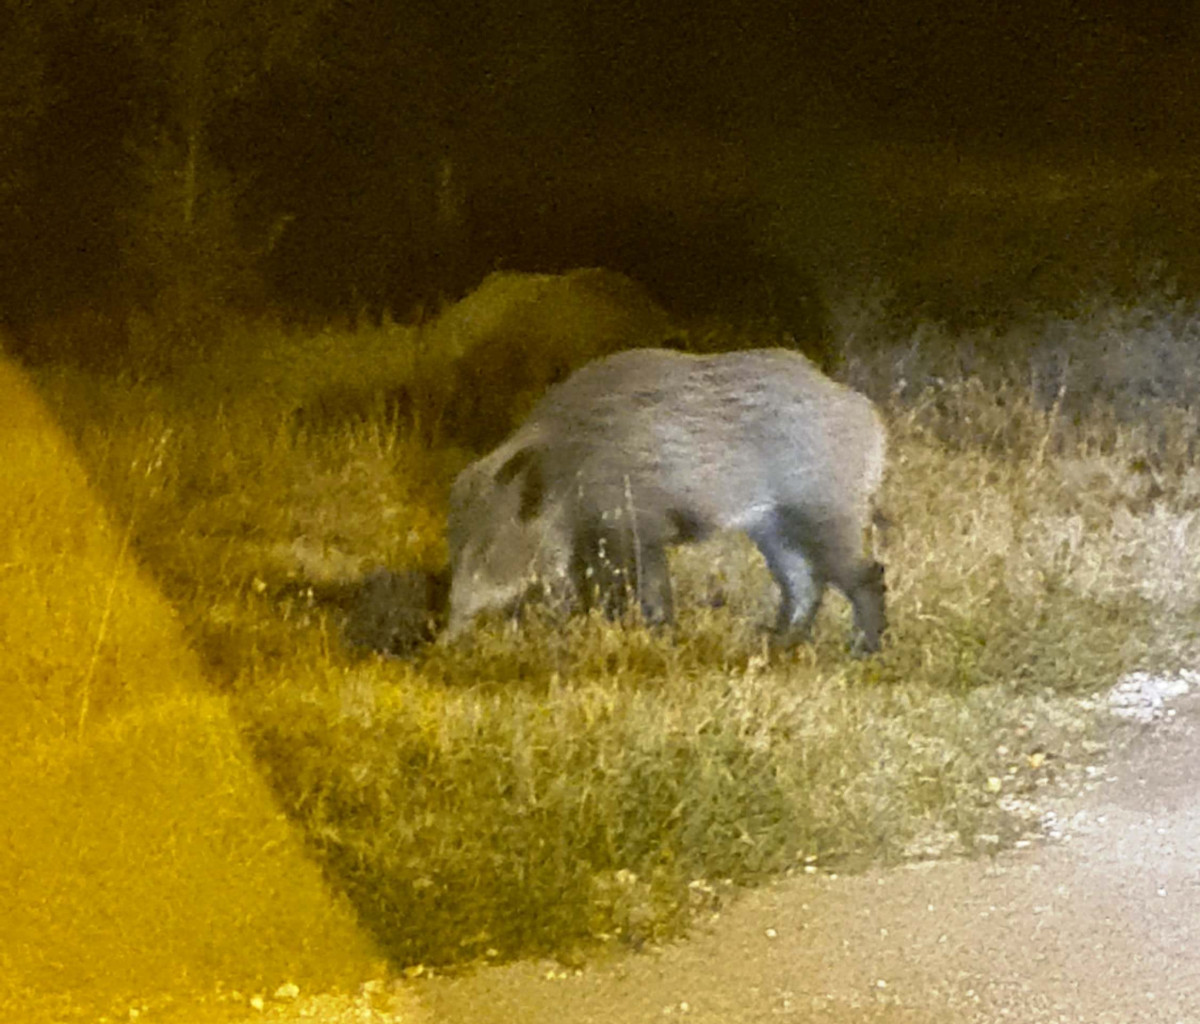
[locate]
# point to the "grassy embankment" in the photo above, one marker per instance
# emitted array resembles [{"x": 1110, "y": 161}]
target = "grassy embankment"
[
  {"x": 144, "y": 865},
  {"x": 565, "y": 786}
]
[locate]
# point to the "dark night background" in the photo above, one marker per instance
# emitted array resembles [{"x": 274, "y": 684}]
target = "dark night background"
[{"x": 314, "y": 158}]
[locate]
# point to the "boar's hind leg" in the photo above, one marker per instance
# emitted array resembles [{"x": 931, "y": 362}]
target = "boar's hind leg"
[
  {"x": 867, "y": 596},
  {"x": 804, "y": 553},
  {"x": 837, "y": 548},
  {"x": 800, "y": 585}
]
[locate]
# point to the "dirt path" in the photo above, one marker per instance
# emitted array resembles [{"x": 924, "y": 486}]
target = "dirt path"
[{"x": 1102, "y": 927}]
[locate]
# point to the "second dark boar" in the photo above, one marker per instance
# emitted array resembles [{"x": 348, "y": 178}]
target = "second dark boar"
[{"x": 650, "y": 448}]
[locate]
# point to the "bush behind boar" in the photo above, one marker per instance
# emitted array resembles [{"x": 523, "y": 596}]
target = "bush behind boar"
[
  {"x": 650, "y": 448},
  {"x": 469, "y": 376}
]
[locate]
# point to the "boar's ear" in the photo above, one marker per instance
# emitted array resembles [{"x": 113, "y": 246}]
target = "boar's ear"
[{"x": 527, "y": 465}]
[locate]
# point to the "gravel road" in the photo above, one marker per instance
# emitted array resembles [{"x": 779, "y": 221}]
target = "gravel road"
[{"x": 1099, "y": 927}]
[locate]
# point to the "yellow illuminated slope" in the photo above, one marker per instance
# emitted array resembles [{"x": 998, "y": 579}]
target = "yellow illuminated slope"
[{"x": 142, "y": 859}]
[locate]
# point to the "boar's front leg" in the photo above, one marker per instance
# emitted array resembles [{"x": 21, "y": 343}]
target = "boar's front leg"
[
  {"x": 654, "y": 585},
  {"x": 610, "y": 565}
]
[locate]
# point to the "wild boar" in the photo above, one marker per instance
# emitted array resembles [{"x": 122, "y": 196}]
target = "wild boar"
[{"x": 650, "y": 448}]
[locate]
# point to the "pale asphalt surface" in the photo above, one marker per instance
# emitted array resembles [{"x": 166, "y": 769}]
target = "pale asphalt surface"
[{"x": 1101, "y": 927}]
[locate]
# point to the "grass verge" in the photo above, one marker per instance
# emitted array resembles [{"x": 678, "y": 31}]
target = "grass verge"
[{"x": 580, "y": 784}]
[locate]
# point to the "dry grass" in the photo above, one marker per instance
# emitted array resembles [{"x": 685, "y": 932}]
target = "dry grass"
[
  {"x": 582, "y": 783},
  {"x": 565, "y": 785}
]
